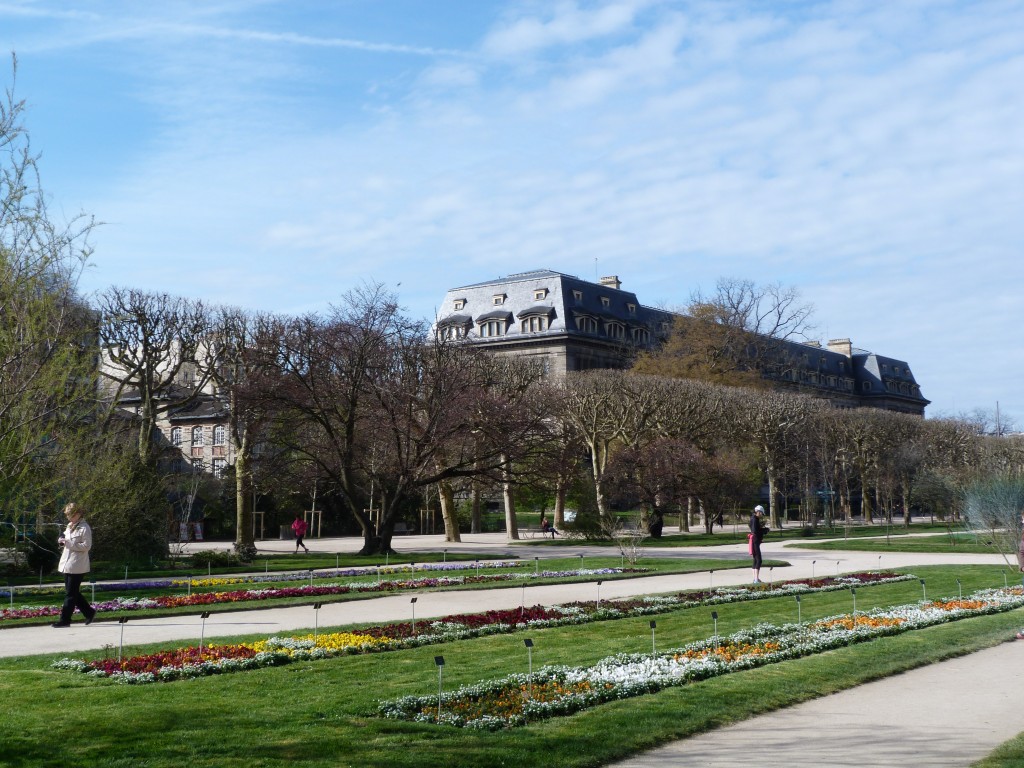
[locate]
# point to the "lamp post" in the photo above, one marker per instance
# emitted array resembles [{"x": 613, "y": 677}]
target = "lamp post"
[
  {"x": 202, "y": 632},
  {"x": 439, "y": 661},
  {"x": 316, "y": 620},
  {"x": 711, "y": 580},
  {"x": 120, "y": 647},
  {"x": 960, "y": 589},
  {"x": 799, "y": 618},
  {"x": 599, "y": 595},
  {"x": 812, "y": 568},
  {"x": 581, "y": 564},
  {"x": 536, "y": 566},
  {"x": 853, "y": 593},
  {"x": 529, "y": 660},
  {"x": 714, "y": 618},
  {"x": 654, "y": 626},
  {"x": 924, "y": 591},
  {"x": 412, "y": 602}
]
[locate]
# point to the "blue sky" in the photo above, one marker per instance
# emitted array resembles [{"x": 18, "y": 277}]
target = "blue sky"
[{"x": 273, "y": 155}]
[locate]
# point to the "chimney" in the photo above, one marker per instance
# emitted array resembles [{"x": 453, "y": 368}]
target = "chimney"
[
  {"x": 611, "y": 281},
  {"x": 842, "y": 346}
]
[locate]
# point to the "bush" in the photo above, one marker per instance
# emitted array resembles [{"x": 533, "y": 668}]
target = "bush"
[
  {"x": 215, "y": 557},
  {"x": 42, "y": 552}
]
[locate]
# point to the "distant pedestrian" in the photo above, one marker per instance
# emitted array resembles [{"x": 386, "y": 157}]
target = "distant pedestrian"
[
  {"x": 74, "y": 564},
  {"x": 546, "y": 527},
  {"x": 757, "y": 533},
  {"x": 299, "y": 527}
]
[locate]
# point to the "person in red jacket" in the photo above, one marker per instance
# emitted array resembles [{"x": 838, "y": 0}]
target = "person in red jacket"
[{"x": 299, "y": 527}]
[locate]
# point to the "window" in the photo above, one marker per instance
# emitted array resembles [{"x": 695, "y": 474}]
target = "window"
[
  {"x": 498, "y": 299},
  {"x": 631, "y": 308},
  {"x": 866, "y": 386},
  {"x": 460, "y": 304},
  {"x": 492, "y": 328},
  {"x": 615, "y": 330},
  {"x": 606, "y": 302},
  {"x": 534, "y": 324},
  {"x": 452, "y": 332},
  {"x": 586, "y": 324},
  {"x": 539, "y": 294},
  {"x": 176, "y": 437},
  {"x": 641, "y": 336},
  {"x": 219, "y": 435},
  {"x": 577, "y": 296},
  {"x": 197, "y": 435},
  {"x": 219, "y": 465}
]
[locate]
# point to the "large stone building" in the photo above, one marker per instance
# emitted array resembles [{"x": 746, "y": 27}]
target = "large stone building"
[{"x": 569, "y": 324}]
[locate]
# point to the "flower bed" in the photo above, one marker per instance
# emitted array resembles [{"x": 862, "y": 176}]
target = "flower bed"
[
  {"x": 561, "y": 690},
  {"x": 191, "y": 662},
  {"x": 263, "y": 578},
  {"x": 121, "y": 604}
]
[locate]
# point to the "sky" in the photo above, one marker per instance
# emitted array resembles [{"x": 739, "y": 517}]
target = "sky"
[{"x": 274, "y": 154}]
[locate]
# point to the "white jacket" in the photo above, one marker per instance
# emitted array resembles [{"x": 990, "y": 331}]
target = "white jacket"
[{"x": 77, "y": 543}]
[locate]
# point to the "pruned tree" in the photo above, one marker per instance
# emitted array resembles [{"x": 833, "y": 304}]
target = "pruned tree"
[
  {"x": 770, "y": 420},
  {"x": 239, "y": 357},
  {"x": 149, "y": 345}
]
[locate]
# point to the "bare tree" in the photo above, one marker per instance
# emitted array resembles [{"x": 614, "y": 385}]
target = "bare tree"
[
  {"x": 735, "y": 336},
  {"x": 239, "y": 357},
  {"x": 149, "y": 345}
]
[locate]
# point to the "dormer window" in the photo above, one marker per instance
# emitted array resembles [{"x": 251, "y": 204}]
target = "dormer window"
[
  {"x": 498, "y": 299},
  {"x": 631, "y": 308},
  {"x": 577, "y": 296},
  {"x": 606, "y": 302},
  {"x": 539, "y": 294},
  {"x": 459, "y": 304},
  {"x": 615, "y": 331}
]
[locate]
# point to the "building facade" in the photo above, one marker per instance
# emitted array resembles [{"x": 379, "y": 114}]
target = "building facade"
[{"x": 569, "y": 324}]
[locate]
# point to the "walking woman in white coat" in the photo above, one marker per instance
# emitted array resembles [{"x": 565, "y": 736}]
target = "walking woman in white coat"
[{"x": 74, "y": 564}]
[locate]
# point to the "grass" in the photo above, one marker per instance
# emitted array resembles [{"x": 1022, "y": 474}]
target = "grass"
[
  {"x": 738, "y": 535},
  {"x": 958, "y": 542},
  {"x": 322, "y": 713}
]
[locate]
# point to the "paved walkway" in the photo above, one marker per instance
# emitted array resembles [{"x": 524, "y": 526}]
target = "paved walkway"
[{"x": 947, "y": 714}]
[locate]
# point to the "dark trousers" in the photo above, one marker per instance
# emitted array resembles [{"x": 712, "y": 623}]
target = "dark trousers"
[
  {"x": 757, "y": 553},
  {"x": 73, "y": 597}
]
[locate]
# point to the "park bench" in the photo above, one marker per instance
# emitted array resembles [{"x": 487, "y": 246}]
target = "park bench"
[{"x": 401, "y": 529}]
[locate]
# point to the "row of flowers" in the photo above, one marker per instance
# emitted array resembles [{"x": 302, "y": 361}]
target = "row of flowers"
[
  {"x": 561, "y": 690},
  {"x": 212, "y": 659},
  {"x": 263, "y": 578},
  {"x": 122, "y": 604}
]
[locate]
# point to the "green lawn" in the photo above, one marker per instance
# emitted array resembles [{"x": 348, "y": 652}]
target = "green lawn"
[
  {"x": 738, "y": 535},
  {"x": 322, "y": 713},
  {"x": 966, "y": 543}
]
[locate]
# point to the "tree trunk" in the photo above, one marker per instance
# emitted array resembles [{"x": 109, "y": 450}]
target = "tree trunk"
[
  {"x": 511, "y": 527},
  {"x": 243, "y": 508},
  {"x": 451, "y": 523},
  {"x": 477, "y": 524},
  {"x": 560, "y": 493},
  {"x": 773, "y": 501}
]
